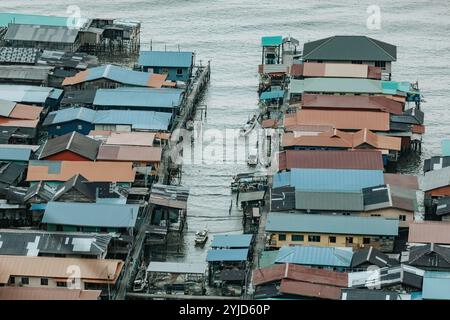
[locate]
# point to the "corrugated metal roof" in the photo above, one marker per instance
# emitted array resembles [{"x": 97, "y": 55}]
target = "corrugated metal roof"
[
  {"x": 70, "y": 114},
  {"x": 232, "y": 241},
  {"x": 368, "y": 294},
  {"x": 339, "y": 201},
  {"x": 352, "y": 225},
  {"x": 429, "y": 232},
  {"x": 435, "y": 179},
  {"x": 402, "y": 180},
  {"x": 219, "y": 255},
  {"x": 170, "y": 59},
  {"x": 274, "y": 94},
  {"x": 14, "y": 154},
  {"x": 177, "y": 267},
  {"x": 40, "y": 33},
  {"x": 270, "y": 41},
  {"x": 74, "y": 142},
  {"x": 436, "y": 285},
  {"x": 144, "y": 139},
  {"x": 339, "y": 180},
  {"x": 139, "y": 97},
  {"x": 22, "y": 93},
  {"x": 129, "y": 153},
  {"x": 6, "y": 107},
  {"x": 315, "y": 256},
  {"x": 336, "y": 159},
  {"x": 27, "y": 73},
  {"x": 30, "y": 293},
  {"x": 336, "y": 85},
  {"x": 22, "y": 18},
  {"x": 445, "y": 147},
  {"x": 349, "y": 48},
  {"x": 91, "y": 214}
]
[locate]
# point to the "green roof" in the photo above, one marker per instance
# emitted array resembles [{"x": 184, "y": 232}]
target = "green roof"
[
  {"x": 272, "y": 41},
  {"x": 267, "y": 258},
  {"x": 20, "y": 18},
  {"x": 349, "y": 48},
  {"x": 446, "y": 148}
]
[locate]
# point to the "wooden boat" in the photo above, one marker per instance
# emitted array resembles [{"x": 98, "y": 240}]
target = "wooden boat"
[
  {"x": 249, "y": 126},
  {"x": 201, "y": 237}
]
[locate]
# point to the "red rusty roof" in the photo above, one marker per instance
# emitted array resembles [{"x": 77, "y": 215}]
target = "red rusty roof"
[
  {"x": 324, "y": 291},
  {"x": 402, "y": 180}
]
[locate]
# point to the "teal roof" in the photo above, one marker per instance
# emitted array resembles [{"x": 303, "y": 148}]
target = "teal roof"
[
  {"x": 20, "y": 18},
  {"x": 436, "y": 285},
  {"x": 316, "y": 256},
  {"x": 170, "y": 59},
  {"x": 14, "y": 154},
  {"x": 219, "y": 255},
  {"x": 267, "y": 258},
  {"x": 275, "y": 94},
  {"x": 446, "y": 148},
  {"x": 331, "y": 224},
  {"x": 271, "y": 41},
  {"x": 232, "y": 241}
]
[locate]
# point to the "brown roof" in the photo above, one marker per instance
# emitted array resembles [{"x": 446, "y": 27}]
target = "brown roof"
[
  {"x": 7, "y": 122},
  {"x": 98, "y": 270},
  {"x": 77, "y": 78},
  {"x": 299, "y": 273},
  {"x": 324, "y": 291},
  {"x": 30, "y": 293},
  {"x": 402, "y": 180},
  {"x": 367, "y": 160},
  {"x": 340, "y": 119},
  {"x": 372, "y": 103},
  {"x": 25, "y": 112},
  {"x": 129, "y": 153},
  {"x": 429, "y": 232},
  {"x": 377, "y": 141},
  {"x": 131, "y": 138},
  {"x": 101, "y": 171}
]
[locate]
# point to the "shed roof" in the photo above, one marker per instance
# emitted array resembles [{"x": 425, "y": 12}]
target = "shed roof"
[
  {"x": 336, "y": 85},
  {"x": 41, "y": 33},
  {"x": 27, "y": 94},
  {"x": 129, "y": 153},
  {"x": 429, "y": 232},
  {"x": 91, "y": 214},
  {"x": 436, "y": 285},
  {"x": 349, "y": 48},
  {"x": 74, "y": 142},
  {"x": 14, "y": 154},
  {"x": 232, "y": 241},
  {"x": 144, "y": 139},
  {"x": 227, "y": 255},
  {"x": 169, "y": 196},
  {"x": 271, "y": 41},
  {"x": 336, "y": 159},
  {"x": 177, "y": 267},
  {"x": 101, "y": 171},
  {"x": 274, "y": 94},
  {"x": 98, "y": 270},
  {"x": 170, "y": 59},
  {"x": 329, "y": 201},
  {"x": 368, "y": 294},
  {"x": 23, "y": 18},
  {"x": 30, "y": 293},
  {"x": 315, "y": 256},
  {"x": 435, "y": 179},
  {"x": 117, "y": 74},
  {"x": 295, "y": 222}
]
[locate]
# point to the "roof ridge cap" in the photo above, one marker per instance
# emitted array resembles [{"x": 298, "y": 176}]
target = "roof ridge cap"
[
  {"x": 372, "y": 41},
  {"x": 318, "y": 47}
]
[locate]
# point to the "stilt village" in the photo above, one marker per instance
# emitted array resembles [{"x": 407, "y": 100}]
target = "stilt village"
[{"x": 91, "y": 194}]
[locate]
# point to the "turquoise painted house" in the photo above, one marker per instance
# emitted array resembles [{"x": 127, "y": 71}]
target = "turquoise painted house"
[{"x": 177, "y": 65}]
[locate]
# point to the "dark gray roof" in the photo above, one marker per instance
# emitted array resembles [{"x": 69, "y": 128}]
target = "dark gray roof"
[
  {"x": 169, "y": 196},
  {"x": 11, "y": 173},
  {"x": 410, "y": 116},
  {"x": 40, "y": 189},
  {"x": 443, "y": 206},
  {"x": 232, "y": 275},
  {"x": 368, "y": 294},
  {"x": 283, "y": 199},
  {"x": 41, "y": 33},
  {"x": 372, "y": 256},
  {"x": 329, "y": 201},
  {"x": 16, "y": 194},
  {"x": 435, "y": 163},
  {"x": 75, "y": 98},
  {"x": 349, "y": 48},
  {"x": 376, "y": 197},
  {"x": 75, "y": 142},
  {"x": 34, "y": 243},
  {"x": 79, "y": 183},
  {"x": 429, "y": 256},
  {"x": 399, "y": 126}
]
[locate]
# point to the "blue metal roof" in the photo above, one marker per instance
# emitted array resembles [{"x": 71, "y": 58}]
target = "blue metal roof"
[
  {"x": 218, "y": 255},
  {"x": 271, "y": 41},
  {"x": 315, "y": 256},
  {"x": 173, "y": 59},
  {"x": 331, "y": 224},
  {"x": 343, "y": 180},
  {"x": 21, "y": 18},
  {"x": 436, "y": 285},
  {"x": 91, "y": 214},
  {"x": 139, "y": 97},
  {"x": 275, "y": 94},
  {"x": 119, "y": 74},
  {"x": 22, "y": 93},
  {"x": 14, "y": 154},
  {"x": 232, "y": 241}
]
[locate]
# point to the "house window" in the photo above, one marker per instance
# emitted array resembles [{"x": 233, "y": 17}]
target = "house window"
[
  {"x": 59, "y": 228},
  {"x": 366, "y": 240},
  {"x": 12, "y": 280},
  {"x": 402, "y": 217},
  {"x": 297, "y": 237},
  {"x": 313, "y": 238},
  {"x": 332, "y": 239},
  {"x": 58, "y": 127},
  {"x": 61, "y": 284},
  {"x": 25, "y": 280},
  {"x": 80, "y": 127},
  {"x": 380, "y": 64},
  {"x": 44, "y": 282},
  {"x": 357, "y": 62},
  {"x": 375, "y": 215},
  {"x": 179, "y": 71},
  {"x": 349, "y": 239},
  {"x": 281, "y": 237}
]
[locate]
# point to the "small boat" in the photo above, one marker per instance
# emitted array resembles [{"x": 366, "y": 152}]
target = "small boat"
[
  {"x": 249, "y": 126},
  {"x": 201, "y": 237}
]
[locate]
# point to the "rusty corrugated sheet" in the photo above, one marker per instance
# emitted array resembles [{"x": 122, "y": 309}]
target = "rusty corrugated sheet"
[
  {"x": 402, "y": 180},
  {"x": 129, "y": 153},
  {"x": 418, "y": 128},
  {"x": 29, "y": 293},
  {"x": 314, "y": 290},
  {"x": 429, "y": 232},
  {"x": 25, "y": 112}
]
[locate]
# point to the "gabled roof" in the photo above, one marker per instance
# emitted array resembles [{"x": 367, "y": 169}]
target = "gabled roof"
[
  {"x": 349, "y": 48},
  {"x": 41, "y": 190},
  {"x": 429, "y": 232},
  {"x": 440, "y": 260},
  {"x": 372, "y": 256},
  {"x": 100, "y": 171},
  {"x": 170, "y": 59},
  {"x": 91, "y": 214},
  {"x": 117, "y": 74},
  {"x": 334, "y": 224},
  {"x": 315, "y": 256},
  {"x": 79, "y": 183},
  {"x": 28, "y": 94},
  {"x": 74, "y": 142}
]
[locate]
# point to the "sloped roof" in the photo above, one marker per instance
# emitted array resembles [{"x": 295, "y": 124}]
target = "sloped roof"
[
  {"x": 402, "y": 180},
  {"x": 177, "y": 267},
  {"x": 23, "y": 18},
  {"x": 79, "y": 183},
  {"x": 219, "y": 255},
  {"x": 117, "y": 74},
  {"x": 232, "y": 241},
  {"x": 315, "y": 256},
  {"x": 171, "y": 59},
  {"x": 41, "y": 33},
  {"x": 336, "y": 85},
  {"x": 74, "y": 142},
  {"x": 14, "y": 154},
  {"x": 40, "y": 189},
  {"x": 129, "y": 153},
  {"x": 373, "y": 257},
  {"x": 341, "y": 201},
  {"x": 442, "y": 259},
  {"x": 429, "y": 232},
  {"x": 436, "y": 285},
  {"x": 30, "y": 293},
  {"x": 169, "y": 196},
  {"x": 349, "y": 48},
  {"x": 144, "y": 139},
  {"x": 435, "y": 179},
  {"x": 368, "y": 294}
]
